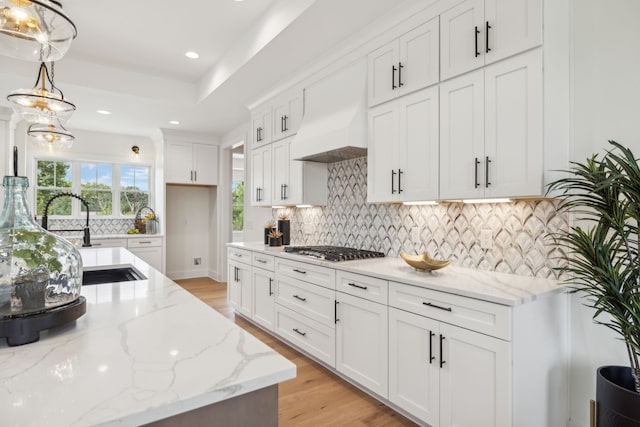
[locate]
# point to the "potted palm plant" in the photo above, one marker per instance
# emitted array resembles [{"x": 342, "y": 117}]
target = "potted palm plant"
[{"x": 603, "y": 264}]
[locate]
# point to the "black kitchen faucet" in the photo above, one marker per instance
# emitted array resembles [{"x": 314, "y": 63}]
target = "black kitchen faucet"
[{"x": 86, "y": 238}]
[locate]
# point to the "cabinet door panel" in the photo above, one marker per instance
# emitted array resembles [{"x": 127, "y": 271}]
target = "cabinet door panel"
[
  {"x": 516, "y": 25},
  {"x": 233, "y": 285},
  {"x": 462, "y": 136},
  {"x": 382, "y": 79},
  {"x": 179, "y": 169},
  {"x": 458, "y": 38},
  {"x": 474, "y": 380},
  {"x": 205, "y": 160},
  {"x": 419, "y": 55},
  {"x": 263, "y": 297},
  {"x": 413, "y": 375},
  {"x": 513, "y": 139},
  {"x": 261, "y": 176},
  {"x": 362, "y": 343},
  {"x": 419, "y": 145},
  {"x": 246, "y": 290},
  {"x": 281, "y": 169},
  {"x": 383, "y": 153},
  {"x": 261, "y": 126}
]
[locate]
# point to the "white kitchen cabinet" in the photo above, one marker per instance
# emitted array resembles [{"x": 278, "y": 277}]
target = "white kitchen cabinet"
[
  {"x": 296, "y": 182},
  {"x": 404, "y": 65},
  {"x": 479, "y": 32},
  {"x": 263, "y": 282},
  {"x": 491, "y": 142},
  {"x": 404, "y": 149},
  {"x": 446, "y": 375},
  {"x": 361, "y": 342},
  {"x": 108, "y": 243},
  {"x": 261, "y": 184},
  {"x": 149, "y": 249},
  {"x": 287, "y": 113},
  {"x": 261, "y": 126},
  {"x": 191, "y": 163},
  {"x": 239, "y": 287}
]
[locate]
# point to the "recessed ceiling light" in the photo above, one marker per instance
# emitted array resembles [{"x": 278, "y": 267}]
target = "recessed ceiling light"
[
  {"x": 192, "y": 55},
  {"x": 104, "y": 112},
  {"x": 174, "y": 122}
]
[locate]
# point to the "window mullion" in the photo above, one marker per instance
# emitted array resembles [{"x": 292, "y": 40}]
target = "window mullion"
[{"x": 115, "y": 191}]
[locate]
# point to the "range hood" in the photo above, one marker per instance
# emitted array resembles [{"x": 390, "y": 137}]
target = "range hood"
[{"x": 334, "y": 127}]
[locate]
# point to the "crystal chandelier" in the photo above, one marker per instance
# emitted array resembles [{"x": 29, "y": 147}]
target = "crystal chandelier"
[
  {"x": 35, "y": 30},
  {"x": 51, "y": 135},
  {"x": 41, "y": 105}
]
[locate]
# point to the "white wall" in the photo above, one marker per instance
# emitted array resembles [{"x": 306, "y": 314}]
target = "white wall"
[
  {"x": 188, "y": 230},
  {"x": 606, "y": 105}
]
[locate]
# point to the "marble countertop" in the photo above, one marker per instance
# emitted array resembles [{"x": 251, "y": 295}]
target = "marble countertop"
[
  {"x": 144, "y": 351},
  {"x": 500, "y": 288}
]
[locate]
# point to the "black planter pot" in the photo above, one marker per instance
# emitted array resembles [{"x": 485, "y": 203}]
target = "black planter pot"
[
  {"x": 266, "y": 234},
  {"x": 275, "y": 241},
  {"x": 284, "y": 226},
  {"x": 617, "y": 402}
]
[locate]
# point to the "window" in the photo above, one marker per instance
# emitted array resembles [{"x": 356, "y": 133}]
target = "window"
[
  {"x": 96, "y": 181},
  {"x": 110, "y": 189},
  {"x": 54, "y": 177},
  {"x": 238, "y": 205},
  {"x": 134, "y": 189}
]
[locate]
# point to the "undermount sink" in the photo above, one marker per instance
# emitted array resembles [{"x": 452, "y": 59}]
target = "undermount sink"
[{"x": 111, "y": 275}]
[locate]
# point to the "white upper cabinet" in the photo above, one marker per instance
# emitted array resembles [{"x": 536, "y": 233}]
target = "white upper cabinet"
[
  {"x": 404, "y": 65},
  {"x": 191, "y": 163},
  {"x": 403, "y": 149},
  {"x": 261, "y": 183},
  {"x": 261, "y": 126},
  {"x": 479, "y": 32},
  {"x": 287, "y": 114},
  {"x": 491, "y": 131}
]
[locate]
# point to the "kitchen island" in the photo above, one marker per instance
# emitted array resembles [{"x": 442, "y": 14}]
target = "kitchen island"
[{"x": 146, "y": 351}]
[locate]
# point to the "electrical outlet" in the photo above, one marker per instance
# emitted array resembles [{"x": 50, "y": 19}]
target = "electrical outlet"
[
  {"x": 197, "y": 261},
  {"x": 415, "y": 234},
  {"x": 486, "y": 239}
]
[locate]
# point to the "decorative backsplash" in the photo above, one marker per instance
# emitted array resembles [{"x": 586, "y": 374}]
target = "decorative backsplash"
[
  {"x": 521, "y": 244},
  {"x": 98, "y": 226}
]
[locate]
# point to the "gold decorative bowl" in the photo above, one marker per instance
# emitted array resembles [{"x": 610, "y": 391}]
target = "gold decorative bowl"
[{"x": 423, "y": 262}]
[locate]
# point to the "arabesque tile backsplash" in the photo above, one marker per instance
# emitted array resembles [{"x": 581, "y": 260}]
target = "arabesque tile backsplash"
[{"x": 520, "y": 230}]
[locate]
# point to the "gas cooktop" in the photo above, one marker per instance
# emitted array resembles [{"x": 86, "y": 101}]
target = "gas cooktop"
[{"x": 333, "y": 253}]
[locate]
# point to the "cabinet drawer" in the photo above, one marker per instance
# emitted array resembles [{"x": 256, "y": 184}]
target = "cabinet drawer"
[
  {"x": 315, "y": 274},
  {"x": 239, "y": 255},
  {"x": 316, "y": 339},
  {"x": 480, "y": 316},
  {"x": 370, "y": 288},
  {"x": 144, "y": 242},
  {"x": 109, "y": 243},
  {"x": 263, "y": 261},
  {"x": 313, "y": 301}
]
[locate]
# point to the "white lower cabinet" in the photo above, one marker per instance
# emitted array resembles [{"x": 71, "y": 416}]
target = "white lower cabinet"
[
  {"x": 361, "y": 342},
  {"x": 446, "y": 375},
  {"x": 263, "y": 282},
  {"x": 315, "y": 338},
  {"x": 239, "y": 287}
]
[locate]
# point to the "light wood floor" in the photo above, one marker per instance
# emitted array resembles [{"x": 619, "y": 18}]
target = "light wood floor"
[{"x": 316, "y": 397}]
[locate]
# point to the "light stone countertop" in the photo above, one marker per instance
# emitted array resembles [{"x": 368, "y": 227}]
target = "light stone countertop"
[
  {"x": 144, "y": 351},
  {"x": 500, "y": 288}
]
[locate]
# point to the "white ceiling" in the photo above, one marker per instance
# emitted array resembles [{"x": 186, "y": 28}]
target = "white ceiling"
[{"x": 129, "y": 58}]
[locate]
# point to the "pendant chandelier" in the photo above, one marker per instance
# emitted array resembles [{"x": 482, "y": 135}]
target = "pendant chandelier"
[
  {"x": 40, "y": 105},
  {"x": 51, "y": 135},
  {"x": 35, "y": 30}
]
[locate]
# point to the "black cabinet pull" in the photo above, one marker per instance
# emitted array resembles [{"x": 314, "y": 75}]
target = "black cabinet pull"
[
  {"x": 486, "y": 37},
  {"x": 442, "y": 362},
  {"x": 257, "y": 134},
  {"x": 393, "y": 184},
  {"x": 357, "y": 286},
  {"x": 477, "y": 184},
  {"x": 299, "y": 271},
  {"x": 431, "y": 356},
  {"x": 297, "y": 331},
  {"x": 393, "y": 77},
  {"x": 335, "y": 311},
  {"x": 299, "y": 298},
  {"x": 195, "y": 176},
  {"x": 400, "y": 181},
  {"x": 286, "y": 128},
  {"x": 400, "y": 67},
  {"x": 270, "y": 282},
  {"x": 486, "y": 172},
  {"x": 235, "y": 274},
  {"x": 476, "y": 36},
  {"x": 259, "y": 194},
  {"x": 285, "y": 186},
  {"x": 437, "y": 306},
  {"x": 281, "y": 190}
]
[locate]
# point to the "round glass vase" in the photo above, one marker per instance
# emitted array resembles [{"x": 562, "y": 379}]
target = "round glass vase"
[{"x": 39, "y": 271}]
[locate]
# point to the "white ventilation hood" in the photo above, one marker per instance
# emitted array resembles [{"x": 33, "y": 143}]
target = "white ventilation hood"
[{"x": 334, "y": 126}]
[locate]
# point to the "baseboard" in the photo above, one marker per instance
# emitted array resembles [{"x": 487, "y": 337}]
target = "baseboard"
[{"x": 187, "y": 274}]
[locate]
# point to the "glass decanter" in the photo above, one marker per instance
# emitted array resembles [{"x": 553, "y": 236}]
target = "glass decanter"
[{"x": 38, "y": 270}]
